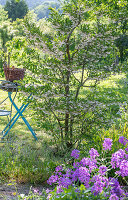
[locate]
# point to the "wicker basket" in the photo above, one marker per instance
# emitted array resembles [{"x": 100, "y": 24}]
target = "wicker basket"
[{"x": 12, "y": 74}]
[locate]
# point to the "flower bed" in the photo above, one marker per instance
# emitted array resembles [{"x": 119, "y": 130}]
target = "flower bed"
[{"x": 89, "y": 178}]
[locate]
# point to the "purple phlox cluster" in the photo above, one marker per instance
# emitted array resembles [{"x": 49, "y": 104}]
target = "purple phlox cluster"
[
  {"x": 93, "y": 153},
  {"x": 59, "y": 168},
  {"x": 90, "y": 162},
  {"x": 116, "y": 188},
  {"x": 68, "y": 173},
  {"x": 92, "y": 165},
  {"x": 123, "y": 168},
  {"x": 75, "y": 153},
  {"x": 75, "y": 175},
  {"x": 52, "y": 179},
  {"x": 113, "y": 197},
  {"x": 117, "y": 157},
  {"x": 90, "y": 172},
  {"x": 102, "y": 170},
  {"x": 85, "y": 162},
  {"x": 123, "y": 140},
  {"x": 64, "y": 182},
  {"x": 84, "y": 176},
  {"x": 126, "y": 149},
  {"x": 76, "y": 164},
  {"x": 107, "y": 144},
  {"x": 99, "y": 183}
]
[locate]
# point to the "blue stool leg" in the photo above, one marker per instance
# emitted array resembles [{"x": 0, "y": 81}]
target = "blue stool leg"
[
  {"x": 19, "y": 113},
  {"x": 13, "y": 121},
  {"x": 16, "y": 113}
]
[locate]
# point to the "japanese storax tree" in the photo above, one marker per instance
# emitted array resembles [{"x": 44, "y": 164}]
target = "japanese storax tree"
[{"x": 65, "y": 64}]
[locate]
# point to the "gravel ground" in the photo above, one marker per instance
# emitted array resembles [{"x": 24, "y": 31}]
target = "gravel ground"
[{"x": 8, "y": 192}]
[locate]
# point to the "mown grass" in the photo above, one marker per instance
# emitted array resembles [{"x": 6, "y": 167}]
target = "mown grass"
[{"x": 26, "y": 160}]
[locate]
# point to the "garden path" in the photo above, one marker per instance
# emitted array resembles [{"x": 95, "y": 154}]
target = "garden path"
[{"x": 8, "y": 192}]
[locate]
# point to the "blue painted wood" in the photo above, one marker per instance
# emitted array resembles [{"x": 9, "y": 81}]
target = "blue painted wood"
[{"x": 18, "y": 114}]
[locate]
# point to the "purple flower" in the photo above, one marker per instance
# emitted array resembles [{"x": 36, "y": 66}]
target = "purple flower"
[
  {"x": 115, "y": 187},
  {"x": 65, "y": 182},
  {"x": 89, "y": 162},
  {"x": 99, "y": 183},
  {"x": 68, "y": 173},
  {"x": 76, "y": 164},
  {"x": 114, "y": 197},
  {"x": 75, "y": 153},
  {"x": 93, "y": 153},
  {"x": 59, "y": 168},
  {"x": 123, "y": 168},
  {"x": 123, "y": 140},
  {"x": 117, "y": 157},
  {"x": 85, "y": 162},
  {"x": 92, "y": 164},
  {"x": 75, "y": 175},
  {"x": 52, "y": 179},
  {"x": 102, "y": 170},
  {"x": 40, "y": 193},
  {"x": 126, "y": 149},
  {"x": 107, "y": 144},
  {"x": 84, "y": 176}
]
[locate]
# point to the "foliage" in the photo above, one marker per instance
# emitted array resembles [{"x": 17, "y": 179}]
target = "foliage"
[
  {"x": 89, "y": 177},
  {"x": 16, "y": 9}
]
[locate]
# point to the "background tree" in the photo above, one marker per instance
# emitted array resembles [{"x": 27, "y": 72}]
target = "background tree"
[
  {"x": 43, "y": 9},
  {"x": 5, "y": 35},
  {"x": 16, "y": 9}
]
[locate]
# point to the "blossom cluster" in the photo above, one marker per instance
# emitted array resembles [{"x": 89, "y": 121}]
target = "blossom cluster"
[{"x": 93, "y": 171}]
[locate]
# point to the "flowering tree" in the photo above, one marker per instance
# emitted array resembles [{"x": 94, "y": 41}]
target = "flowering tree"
[{"x": 78, "y": 53}]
